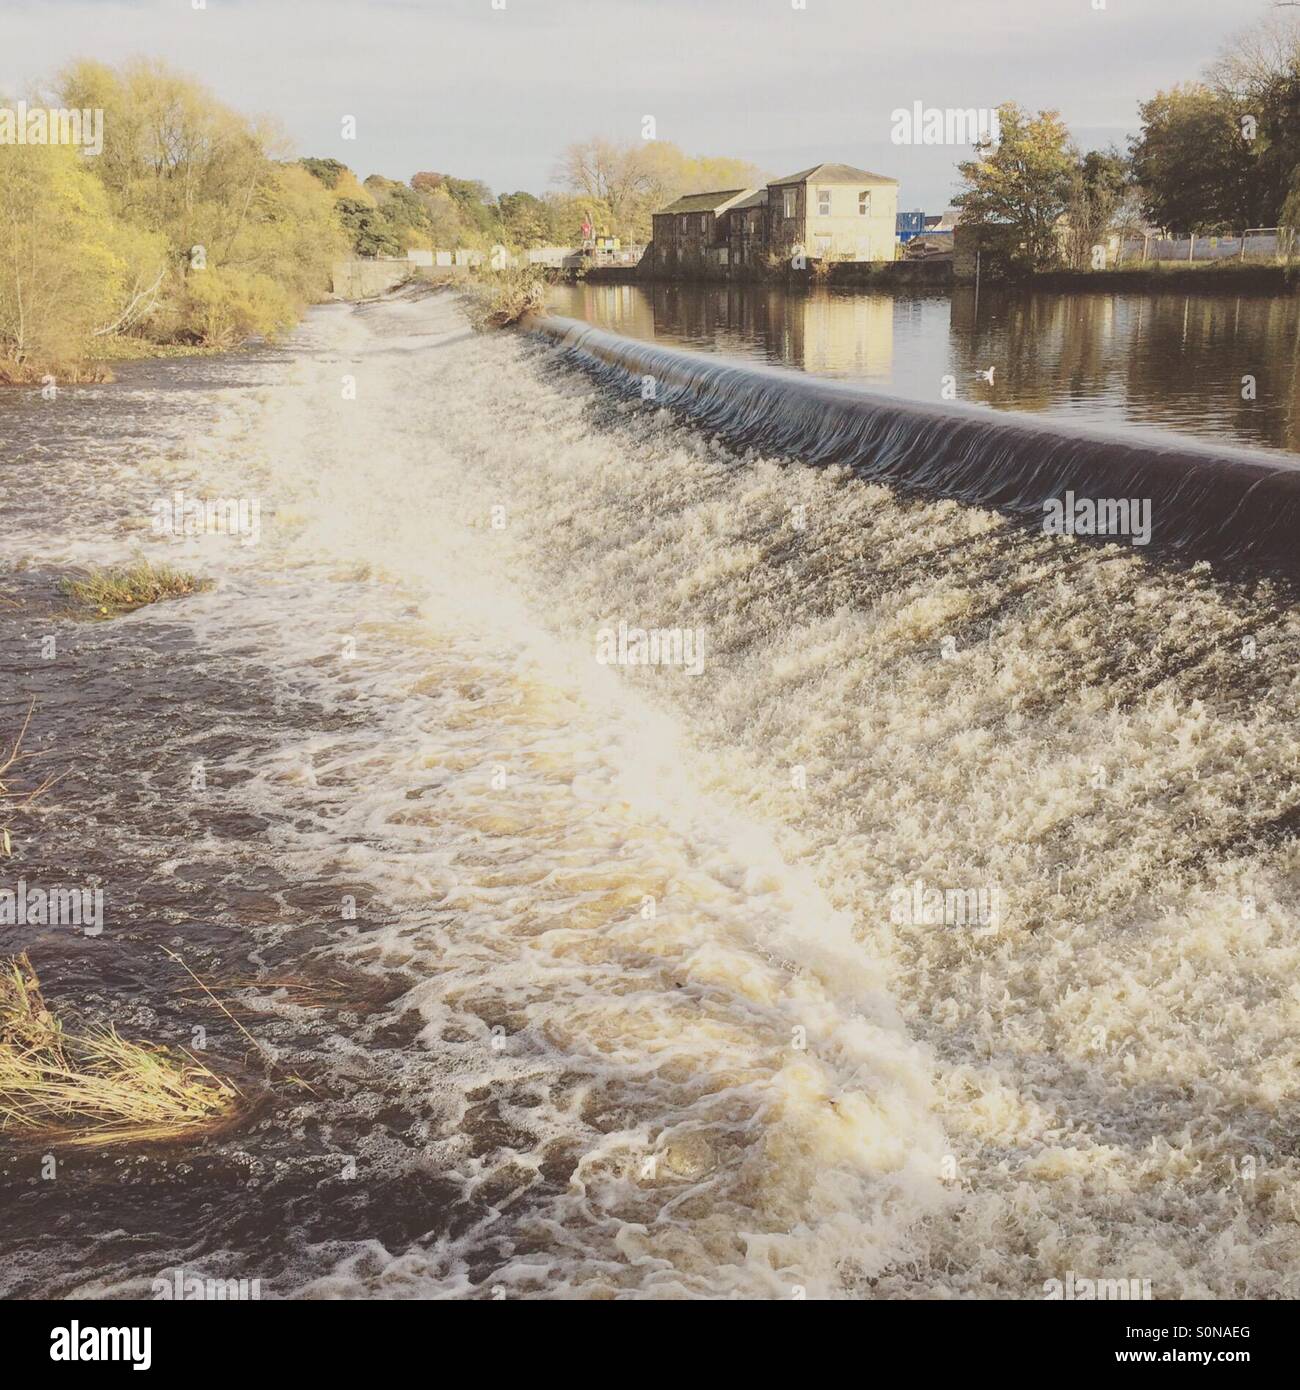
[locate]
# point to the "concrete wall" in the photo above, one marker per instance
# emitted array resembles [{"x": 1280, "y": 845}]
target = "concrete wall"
[
  {"x": 363, "y": 279},
  {"x": 965, "y": 242}
]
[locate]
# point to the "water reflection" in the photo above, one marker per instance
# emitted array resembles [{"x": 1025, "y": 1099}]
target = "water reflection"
[{"x": 1221, "y": 366}]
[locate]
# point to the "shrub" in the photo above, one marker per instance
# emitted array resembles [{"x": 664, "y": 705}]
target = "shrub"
[{"x": 499, "y": 298}]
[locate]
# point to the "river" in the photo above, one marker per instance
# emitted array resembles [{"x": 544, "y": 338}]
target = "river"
[
  {"x": 585, "y": 979},
  {"x": 1219, "y": 366}
]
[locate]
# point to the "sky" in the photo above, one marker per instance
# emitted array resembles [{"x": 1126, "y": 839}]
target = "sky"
[{"x": 494, "y": 89}]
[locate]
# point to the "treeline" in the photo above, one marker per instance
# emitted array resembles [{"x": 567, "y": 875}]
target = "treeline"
[
  {"x": 1223, "y": 153},
  {"x": 612, "y": 187},
  {"x": 193, "y": 225},
  {"x": 189, "y": 227},
  {"x": 1213, "y": 156},
  {"x": 382, "y": 217}
]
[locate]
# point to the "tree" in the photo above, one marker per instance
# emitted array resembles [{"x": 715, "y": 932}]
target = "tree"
[
  {"x": 1199, "y": 170},
  {"x": 211, "y": 186},
  {"x": 403, "y": 209},
  {"x": 328, "y": 171},
  {"x": 1019, "y": 189},
  {"x": 60, "y": 278},
  {"x": 1097, "y": 190},
  {"x": 524, "y": 219},
  {"x": 614, "y": 179},
  {"x": 624, "y": 184},
  {"x": 1223, "y": 154},
  {"x": 371, "y": 233},
  {"x": 1253, "y": 59}
]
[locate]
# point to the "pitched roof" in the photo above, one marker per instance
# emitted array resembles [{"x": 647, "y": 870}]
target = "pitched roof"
[
  {"x": 833, "y": 173},
  {"x": 705, "y": 202},
  {"x": 757, "y": 199}
]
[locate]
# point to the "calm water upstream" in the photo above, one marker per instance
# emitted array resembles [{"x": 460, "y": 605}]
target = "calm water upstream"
[{"x": 1176, "y": 361}]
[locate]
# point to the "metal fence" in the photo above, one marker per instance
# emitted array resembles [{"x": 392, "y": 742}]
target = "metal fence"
[{"x": 1269, "y": 244}]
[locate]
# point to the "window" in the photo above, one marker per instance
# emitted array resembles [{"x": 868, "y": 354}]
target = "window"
[
  {"x": 791, "y": 202},
  {"x": 822, "y": 247},
  {"x": 864, "y": 204},
  {"x": 823, "y": 202}
]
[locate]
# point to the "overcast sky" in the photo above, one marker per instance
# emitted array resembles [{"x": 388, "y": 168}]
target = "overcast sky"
[{"x": 462, "y": 88}]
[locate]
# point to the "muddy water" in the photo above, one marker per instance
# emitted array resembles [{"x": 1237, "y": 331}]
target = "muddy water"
[
  {"x": 559, "y": 1044},
  {"x": 627, "y": 1005}
]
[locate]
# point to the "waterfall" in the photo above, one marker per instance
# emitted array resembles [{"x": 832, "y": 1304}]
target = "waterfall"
[{"x": 1206, "y": 501}]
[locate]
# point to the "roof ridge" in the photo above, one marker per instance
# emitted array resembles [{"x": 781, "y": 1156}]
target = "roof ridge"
[{"x": 851, "y": 172}]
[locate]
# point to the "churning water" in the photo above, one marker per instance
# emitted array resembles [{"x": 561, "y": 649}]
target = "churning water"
[{"x": 640, "y": 996}]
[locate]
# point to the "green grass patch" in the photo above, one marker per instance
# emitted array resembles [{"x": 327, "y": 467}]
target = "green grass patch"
[{"x": 108, "y": 592}]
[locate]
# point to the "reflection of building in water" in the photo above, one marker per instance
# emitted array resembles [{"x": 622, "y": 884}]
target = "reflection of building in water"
[
  {"x": 620, "y": 308},
  {"x": 851, "y": 335}
]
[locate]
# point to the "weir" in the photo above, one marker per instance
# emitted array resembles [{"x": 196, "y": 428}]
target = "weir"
[{"x": 1206, "y": 501}]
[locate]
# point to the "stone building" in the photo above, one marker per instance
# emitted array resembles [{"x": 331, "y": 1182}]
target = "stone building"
[
  {"x": 746, "y": 232},
  {"x": 690, "y": 235},
  {"x": 829, "y": 212}
]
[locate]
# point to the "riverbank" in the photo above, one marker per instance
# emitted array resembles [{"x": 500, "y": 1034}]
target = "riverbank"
[
  {"x": 882, "y": 275},
  {"x": 108, "y": 353},
  {"x": 1211, "y": 277},
  {"x": 1215, "y": 277}
]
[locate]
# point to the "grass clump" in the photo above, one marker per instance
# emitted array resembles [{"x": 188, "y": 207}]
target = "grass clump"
[
  {"x": 111, "y": 591},
  {"x": 93, "y": 1087},
  {"x": 499, "y": 298}
]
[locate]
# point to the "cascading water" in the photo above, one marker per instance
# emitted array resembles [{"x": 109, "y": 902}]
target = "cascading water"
[
  {"x": 655, "y": 1013},
  {"x": 1216, "y": 502}
]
